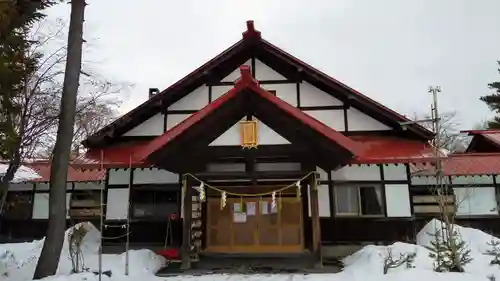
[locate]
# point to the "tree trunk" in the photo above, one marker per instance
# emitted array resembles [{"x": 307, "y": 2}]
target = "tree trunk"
[
  {"x": 14, "y": 164},
  {"x": 51, "y": 251}
]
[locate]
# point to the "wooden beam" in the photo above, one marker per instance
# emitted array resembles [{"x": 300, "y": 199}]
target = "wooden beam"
[
  {"x": 316, "y": 227},
  {"x": 186, "y": 226}
]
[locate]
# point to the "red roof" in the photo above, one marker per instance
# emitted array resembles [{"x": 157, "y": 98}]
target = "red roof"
[
  {"x": 464, "y": 164},
  {"x": 42, "y": 168},
  {"x": 386, "y": 149},
  {"x": 246, "y": 81},
  {"x": 118, "y": 156}
]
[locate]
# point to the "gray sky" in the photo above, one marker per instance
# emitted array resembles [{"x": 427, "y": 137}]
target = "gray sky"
[{"x": 390, "y": 50}]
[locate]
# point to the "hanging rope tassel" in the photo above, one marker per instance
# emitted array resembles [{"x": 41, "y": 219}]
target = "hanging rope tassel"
[{"x": 223, "y": 200}]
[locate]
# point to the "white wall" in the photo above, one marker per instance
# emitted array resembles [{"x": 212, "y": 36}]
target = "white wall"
[
  {"x": 476, "y": 201},
  {"x": 236, "y": 73},
  {"x": 357, "y": 173},
  {"x": 174, "y": 119},
  {"x": 395, "y": 172},
  {"x": 154, "y": 176},
  {"x": 119, "y": 177},
  {"x": 286, "y": 92},
  {"x": 312, "y": 96},
  {"x": 358, "y": 121},
  {"x": 332, "y": 118},
  {"x": 151, "y": 127},
  {"x": 21, "y": 186},
  {"x": 89, "y": 185},
  {"x": 195, "y": 100},
  {"x": 117, "y": 204},
  {"x": 41, "y": 206},
  {"x": 323, "y": 201},
  {"x": 266, "y": 136},
  {"x": 397, "y": 198}
]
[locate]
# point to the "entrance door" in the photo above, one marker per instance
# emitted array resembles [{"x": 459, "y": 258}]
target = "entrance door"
[{"x": 255, "y": 228}]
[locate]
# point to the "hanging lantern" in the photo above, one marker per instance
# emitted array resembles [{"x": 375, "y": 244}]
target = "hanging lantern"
[
  {"x": 202, "y": 192},
  {"x": 223, "y": 200},
  {"x": 248, "y": 132}
]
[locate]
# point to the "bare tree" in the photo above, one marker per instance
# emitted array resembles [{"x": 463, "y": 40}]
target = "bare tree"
[
  {"x": 450, "y": 137},
  {"x": 39, "y": 102},
  {"x": 51, "y": 251}
]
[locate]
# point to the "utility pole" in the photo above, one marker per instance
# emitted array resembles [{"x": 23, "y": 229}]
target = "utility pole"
[{"x": 435, "y": 121}]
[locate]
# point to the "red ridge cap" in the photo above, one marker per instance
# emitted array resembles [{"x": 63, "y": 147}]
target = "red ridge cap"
[
  {"x": 481, "y": 132},
  {"x": 251, "y": 32}
]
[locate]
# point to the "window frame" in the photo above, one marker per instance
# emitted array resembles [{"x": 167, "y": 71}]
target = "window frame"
[{"x": 359, "y": 200}]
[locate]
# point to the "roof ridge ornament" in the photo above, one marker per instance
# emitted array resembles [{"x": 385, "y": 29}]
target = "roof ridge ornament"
[
  {"x": 246, "y": 79},
  {"x": 251, "y": 32}
]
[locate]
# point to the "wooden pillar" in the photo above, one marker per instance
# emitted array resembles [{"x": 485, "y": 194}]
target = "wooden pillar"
[
  {"x": 316, "y": 227},
  {"x": 186, "y": 224}
]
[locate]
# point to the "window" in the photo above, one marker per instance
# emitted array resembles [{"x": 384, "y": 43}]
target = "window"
[
  {"x": 85, "y": 204},
  {"x": 19, "y": 205},
  {"x": 359, "y": 201},
  {"x": 156, "y": 204}
]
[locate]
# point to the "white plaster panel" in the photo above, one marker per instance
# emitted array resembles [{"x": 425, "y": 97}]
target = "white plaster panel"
[
  {"x": 277, "y": 166},
  {"x": 195, "y": 100},
  {"x": 323, "y": 201},
  {"x": 426, "y": 180},
  {"x": 397, "y": 198},
  {"x": 229, "y": 137},
  {"x": 322, "y": 174},
  {"x": 357, "y": 173},
  {"x": 41, "y": 186},
  {"x": 472, "y": 180},
  {"x": 264, "y": 72},
  {"x": 236, "y": 73},
  {"x": 267, "y": 135},
  {"x": 475, "y": 201},
  {"x": 174, "y": 119},
  {"x": 119, "y": 177},
  {"x": 95, "y": 185},
  {"x": 41, "y": 206},
  {"x": 286, "y": 92},
  {"x": 20, "y": 186},
  {"x": 358, "y": 121},
  {"x": 395, "y": 172},
  {"x": 151, "y": 127},
  {"x": 117, "y": 204},
  {"x": 332, "y": 118},
  {"x": 232, "y": 167},
  {"x": 218, "y": 91},
  {"x": 154, "y": 175},
  {"x": 312, "y": 96}
]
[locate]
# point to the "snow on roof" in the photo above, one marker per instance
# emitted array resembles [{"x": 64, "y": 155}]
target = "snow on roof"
[{"x": 23, "y": 174}]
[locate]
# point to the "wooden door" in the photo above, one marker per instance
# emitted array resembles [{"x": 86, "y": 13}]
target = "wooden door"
[{"x": 257, "y": 228}]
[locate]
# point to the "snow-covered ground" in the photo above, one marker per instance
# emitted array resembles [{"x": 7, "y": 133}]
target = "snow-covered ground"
[{"x": 17, "y": 263}]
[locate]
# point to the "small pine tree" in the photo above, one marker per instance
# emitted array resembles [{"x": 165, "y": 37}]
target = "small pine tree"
[
  {"x": 450, "y": 255},
  {"x": 494, "y": 251}
]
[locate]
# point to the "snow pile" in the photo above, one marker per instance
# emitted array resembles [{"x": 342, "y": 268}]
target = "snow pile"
[
  {"x": 18, "y": 260},
  {"x": 23, "y": 174},
  {"x": 369, "y": 261}
]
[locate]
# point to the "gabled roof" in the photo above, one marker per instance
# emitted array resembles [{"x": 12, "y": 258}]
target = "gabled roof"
[
  {"x": 252, "y": 45},
  {"x": 484, "y": 140},
  {"x": 247, "y": 96}
]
